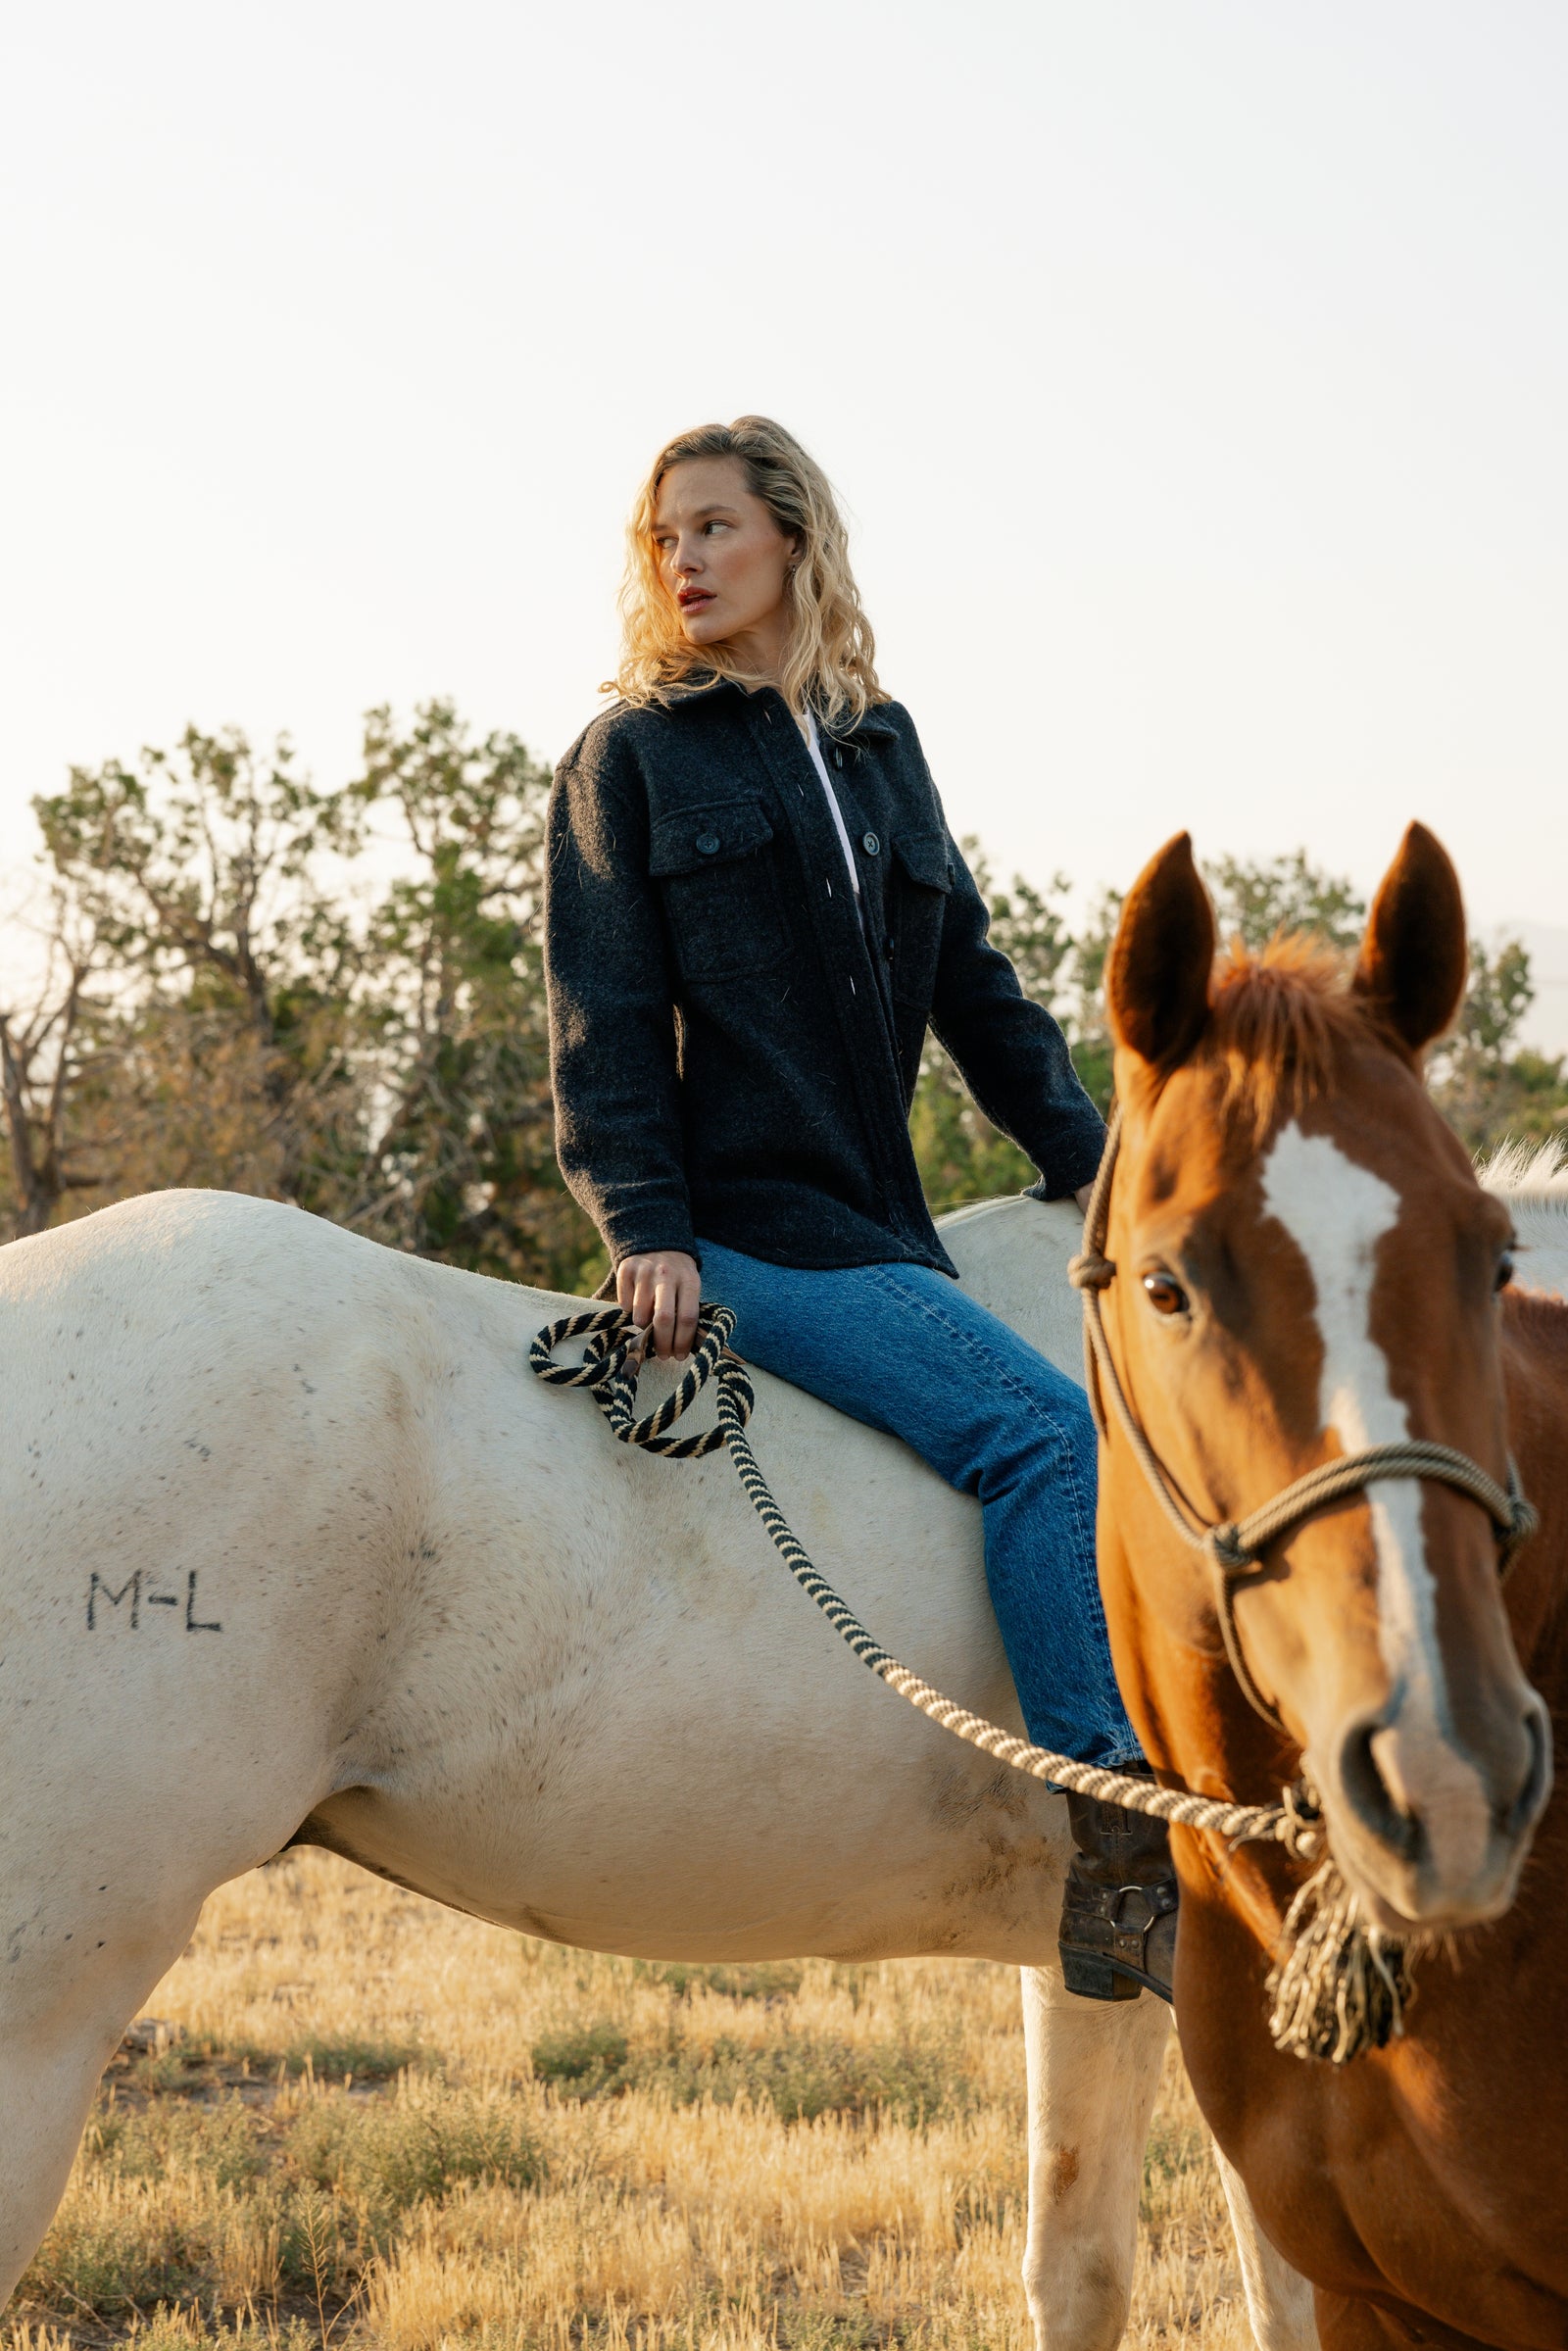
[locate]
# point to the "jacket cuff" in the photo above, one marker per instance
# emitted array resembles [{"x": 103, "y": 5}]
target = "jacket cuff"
[
  {"x": 642, "y": 1230},
  {"x": 1072, "y": 1161}
]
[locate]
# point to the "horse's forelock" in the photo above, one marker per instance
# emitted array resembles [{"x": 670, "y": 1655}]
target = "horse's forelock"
[{"x": 1280, "y": 1018}]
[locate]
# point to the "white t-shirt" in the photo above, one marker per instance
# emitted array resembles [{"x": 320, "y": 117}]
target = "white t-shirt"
[{"x": 814, "y": 747}]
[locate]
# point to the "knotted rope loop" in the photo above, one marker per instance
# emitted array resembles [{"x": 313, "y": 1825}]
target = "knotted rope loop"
[
  {"x": 1303, "y": 1832},
  {"x": 1227, "y": 1550},
  {"x": 600, "y": 1360},
  {"x": 613, "y": 1363}
]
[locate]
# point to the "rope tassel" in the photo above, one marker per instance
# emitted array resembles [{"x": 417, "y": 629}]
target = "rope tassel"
[{"x": 1339, "y": 1986}]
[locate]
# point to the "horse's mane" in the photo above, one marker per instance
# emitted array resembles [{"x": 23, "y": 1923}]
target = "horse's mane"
[
  {"x": 1534, "y": 1174},
  {"x": 1533, "y": 1179}
]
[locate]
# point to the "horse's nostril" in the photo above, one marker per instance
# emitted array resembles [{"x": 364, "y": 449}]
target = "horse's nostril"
[
  {"x": 1537, "y": 1785},
  {"x": 1369, "y": 1795}
]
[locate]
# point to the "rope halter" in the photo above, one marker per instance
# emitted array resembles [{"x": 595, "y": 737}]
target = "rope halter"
[{"x": 1234, "y": 1549}]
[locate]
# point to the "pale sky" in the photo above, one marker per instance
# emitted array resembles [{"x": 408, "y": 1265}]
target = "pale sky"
[{"x": 1196, "y": 374}]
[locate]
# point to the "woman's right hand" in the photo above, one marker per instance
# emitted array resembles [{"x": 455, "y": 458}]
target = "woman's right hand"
[{"x": 664, "y": 1289}]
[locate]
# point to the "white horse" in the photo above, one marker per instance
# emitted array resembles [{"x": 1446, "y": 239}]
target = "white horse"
[{"x": 293, "y": 1547}]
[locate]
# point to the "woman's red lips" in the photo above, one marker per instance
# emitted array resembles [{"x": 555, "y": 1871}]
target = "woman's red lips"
[{"x": 691, "y": 595}]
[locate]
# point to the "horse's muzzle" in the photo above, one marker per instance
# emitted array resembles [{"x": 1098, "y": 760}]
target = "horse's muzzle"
[{"x": 1433, "y": 1836}]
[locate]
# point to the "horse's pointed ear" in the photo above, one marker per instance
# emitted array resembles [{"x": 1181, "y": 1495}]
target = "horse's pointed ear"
[
  {"x": 1162, "y": 959},
  {"x": 1415, "y": 959}
]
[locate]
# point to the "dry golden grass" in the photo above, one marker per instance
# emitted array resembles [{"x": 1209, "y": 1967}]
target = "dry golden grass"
[{"x": 362, "y": 2121}]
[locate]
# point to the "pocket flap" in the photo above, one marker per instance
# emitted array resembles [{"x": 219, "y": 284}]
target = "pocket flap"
[
  {"x": 925, "y": 858},
  {"x": 691, "y": 838}
]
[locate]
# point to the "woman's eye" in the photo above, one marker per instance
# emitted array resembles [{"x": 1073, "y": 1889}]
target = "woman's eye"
[
  {"x": 1165, "y": 1293},
  {"x": 1504, "y": 1273}
]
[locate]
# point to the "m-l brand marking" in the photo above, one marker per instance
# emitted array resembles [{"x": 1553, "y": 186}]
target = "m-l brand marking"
[{"x": 142, "y": 1591}]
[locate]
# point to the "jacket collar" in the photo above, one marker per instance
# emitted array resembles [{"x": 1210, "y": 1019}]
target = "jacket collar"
[{"x": 716, "y": 689}]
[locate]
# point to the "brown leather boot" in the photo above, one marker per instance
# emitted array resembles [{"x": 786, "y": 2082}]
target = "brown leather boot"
[{"x": 1119, "y": 1912}]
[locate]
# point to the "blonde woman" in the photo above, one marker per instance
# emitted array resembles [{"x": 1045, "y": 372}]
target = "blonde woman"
[{"x": 755, "y": 911}]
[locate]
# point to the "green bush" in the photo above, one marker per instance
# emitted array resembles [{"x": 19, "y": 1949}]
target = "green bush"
[
  {"x": 917, "y": 2077},
  {"x": 767, "y": 1980},
  {"x": 391, "y": 2153},
  {"x": 582, "y": 2061}
]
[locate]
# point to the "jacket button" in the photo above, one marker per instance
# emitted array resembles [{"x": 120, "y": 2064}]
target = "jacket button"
[
  {"x": 868, "y": 842},
  {"x": 838, "y": 758},
  {"x": 887, "y": 949},
  {"x": 708, "y": 845}
]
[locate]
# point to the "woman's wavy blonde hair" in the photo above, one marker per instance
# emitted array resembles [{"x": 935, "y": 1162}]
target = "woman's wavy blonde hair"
[{"x": 831, "y": 657}]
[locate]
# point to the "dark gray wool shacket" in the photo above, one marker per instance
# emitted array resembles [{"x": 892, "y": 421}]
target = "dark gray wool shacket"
[{"x": 734, "y": 1041}]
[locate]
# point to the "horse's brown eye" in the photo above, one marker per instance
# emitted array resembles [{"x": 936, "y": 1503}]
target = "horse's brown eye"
[
  {"x": 1165, "y": 1293},
  {"x": 1504, "y": 1273}
]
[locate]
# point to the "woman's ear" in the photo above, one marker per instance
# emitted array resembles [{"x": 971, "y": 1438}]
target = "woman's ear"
[
  {"x": 1162, "y": 959},
  {"x": 1415, "y": 959}
]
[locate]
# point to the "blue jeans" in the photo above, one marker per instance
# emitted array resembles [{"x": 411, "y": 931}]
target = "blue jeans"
[{"x": 903, "y": 1350}]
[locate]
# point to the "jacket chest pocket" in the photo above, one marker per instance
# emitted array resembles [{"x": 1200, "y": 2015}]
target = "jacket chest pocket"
[
  {"x": 714, "y": 866},
  {"x": 922, "y": 885}
]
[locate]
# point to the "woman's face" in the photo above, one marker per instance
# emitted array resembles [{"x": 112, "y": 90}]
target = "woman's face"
[{"x": 722, "y": 557}]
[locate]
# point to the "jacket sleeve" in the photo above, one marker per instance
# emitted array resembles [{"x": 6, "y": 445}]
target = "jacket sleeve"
[
  {"x": 1013, "y": 1056},
  {"x": 612, "y": 1057}
]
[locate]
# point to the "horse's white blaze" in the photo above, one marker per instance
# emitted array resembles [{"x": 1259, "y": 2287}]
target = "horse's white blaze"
[{"x": 1337, "y": 1213}]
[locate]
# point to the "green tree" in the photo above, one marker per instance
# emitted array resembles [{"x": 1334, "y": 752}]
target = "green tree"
[
  {"x": 329, "y": 997},
  {"x": 44, "y": 1062},
  {"x": 1486, "y": 1084},
  {"x": 462, "y": 1162},
  {"x": 1255, "y": 900},
  {"x": 962, "y": 1157},
  {"x": 1083, "y": 1019},
  {"x": 336, "y": 996},
  {"x": 202, "y": 875}
]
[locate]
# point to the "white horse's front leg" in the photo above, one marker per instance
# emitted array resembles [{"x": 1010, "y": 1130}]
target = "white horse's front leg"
[
  {"x": 1279, "y": 2300},
  {"x": 1094, "y": 2068},
  {"x": 62, "y": 2014}
]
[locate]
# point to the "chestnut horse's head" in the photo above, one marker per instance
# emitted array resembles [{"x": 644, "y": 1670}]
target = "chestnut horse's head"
[{"x": 1306, "y": 1266}]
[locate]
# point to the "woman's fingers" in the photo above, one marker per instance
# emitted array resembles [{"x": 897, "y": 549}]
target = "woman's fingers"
[
  {"x": 665, "y": 1313},
  {"x": 662, "y": 1293},
  {"x": 634, "y": 1289},
  {"x": 688, "y": 1299}
]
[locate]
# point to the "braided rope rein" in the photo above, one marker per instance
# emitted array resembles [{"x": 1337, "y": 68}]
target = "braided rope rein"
[{"x": 1338, "y": 1985}]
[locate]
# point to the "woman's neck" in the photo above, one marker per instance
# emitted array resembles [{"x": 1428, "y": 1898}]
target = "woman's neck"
[{"x": 761, "y": 650}]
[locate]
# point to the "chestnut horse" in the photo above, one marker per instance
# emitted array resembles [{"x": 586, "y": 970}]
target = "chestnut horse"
[{"x": 1306, "y": 1265}]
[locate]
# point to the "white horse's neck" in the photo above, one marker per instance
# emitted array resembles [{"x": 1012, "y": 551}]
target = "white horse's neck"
[
  {"x": 1533, "y": 1181},
  {"x": 1012, "y": 1255}
]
